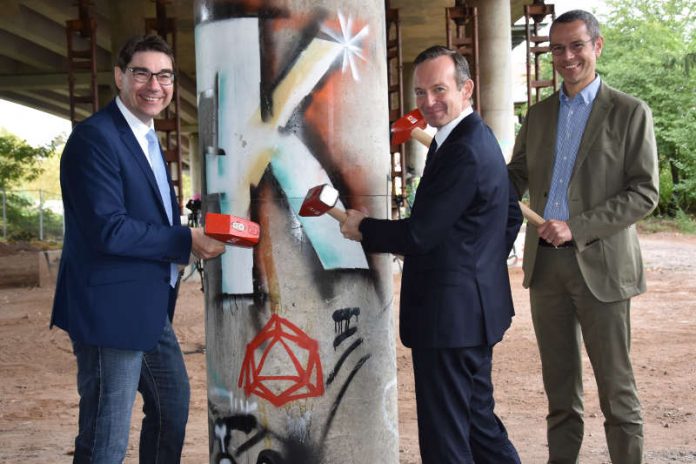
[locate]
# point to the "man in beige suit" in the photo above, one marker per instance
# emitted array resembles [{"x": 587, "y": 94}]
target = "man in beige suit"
[{"x": 588, "y": 158}]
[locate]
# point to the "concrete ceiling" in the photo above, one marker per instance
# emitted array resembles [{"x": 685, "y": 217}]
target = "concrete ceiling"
[{"x": 33, "y": 46}]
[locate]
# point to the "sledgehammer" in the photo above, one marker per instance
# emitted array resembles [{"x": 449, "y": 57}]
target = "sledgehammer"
[
  {"x": 408, "y": 126},
  {"x": 322, "y": 199},
  {"x": 411, "y": 125},
  {"x": 232, "y": 229}
]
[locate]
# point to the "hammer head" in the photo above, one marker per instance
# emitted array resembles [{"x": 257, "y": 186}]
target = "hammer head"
[
  {"x": 402, "y": 127},
  {"x": 319, "y": 200},
  {"x": 232, "y": 229}
]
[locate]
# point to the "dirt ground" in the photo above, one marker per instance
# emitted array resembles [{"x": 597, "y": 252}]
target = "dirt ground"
[{"x": 38, "y": 402}]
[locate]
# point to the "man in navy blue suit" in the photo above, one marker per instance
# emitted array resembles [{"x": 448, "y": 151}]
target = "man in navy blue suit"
[
  {"x": 455, "y": 291},
  {"x": 117, "y": 281}
]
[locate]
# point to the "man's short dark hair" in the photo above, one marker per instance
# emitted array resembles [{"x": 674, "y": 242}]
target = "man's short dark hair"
[
  {"x": 142, "y": 43},
  {"x": 461, "y": 67},
  {"x": 590, "y": 21}
]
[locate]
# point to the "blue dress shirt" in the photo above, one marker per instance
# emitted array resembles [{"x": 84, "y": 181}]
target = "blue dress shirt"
[{"x": 572, "y": 119}]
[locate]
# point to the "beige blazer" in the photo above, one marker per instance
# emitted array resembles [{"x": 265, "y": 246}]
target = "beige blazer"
[{"x": 613, "y": 185}]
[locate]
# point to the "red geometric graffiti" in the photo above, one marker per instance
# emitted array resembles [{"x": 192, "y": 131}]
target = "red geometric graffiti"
[{"x": 282, "y": 364}]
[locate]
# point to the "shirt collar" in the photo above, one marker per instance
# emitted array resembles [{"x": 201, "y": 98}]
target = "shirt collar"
[
  {"x": 139, "y": 128},
  {"x": 586, "y": 95},
  {"x": 445, "y": 130}
]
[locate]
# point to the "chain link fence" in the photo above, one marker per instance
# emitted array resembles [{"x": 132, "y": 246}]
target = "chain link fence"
[{"x": 31, "y": 215}]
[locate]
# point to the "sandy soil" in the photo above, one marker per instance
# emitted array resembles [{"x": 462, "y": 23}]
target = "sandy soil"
[{"x": 38, "y": 402}]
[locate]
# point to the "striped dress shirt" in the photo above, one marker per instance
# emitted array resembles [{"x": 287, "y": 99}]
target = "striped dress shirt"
[{"x": 572, "y": 119}]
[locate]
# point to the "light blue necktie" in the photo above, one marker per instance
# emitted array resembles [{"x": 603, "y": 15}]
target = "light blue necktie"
[{"x": 158, "y": 169}]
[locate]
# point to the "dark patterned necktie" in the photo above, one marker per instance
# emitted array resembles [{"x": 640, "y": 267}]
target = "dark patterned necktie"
[{"x": 431, "y": 154}]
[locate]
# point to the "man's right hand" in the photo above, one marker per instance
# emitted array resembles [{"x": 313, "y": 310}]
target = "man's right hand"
[
  {"x": 204, "y": 247},
  {"x": 350, "y": 228}
]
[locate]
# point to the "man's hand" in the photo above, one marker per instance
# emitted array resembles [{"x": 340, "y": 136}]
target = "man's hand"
[
  {"x": 350, "y": 228},
  {"x": 555, "y": 232},
  {"x": 204, "y": 247}
]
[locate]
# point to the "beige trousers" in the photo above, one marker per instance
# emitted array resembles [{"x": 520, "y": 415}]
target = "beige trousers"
[{"x": 564, "y": 313}]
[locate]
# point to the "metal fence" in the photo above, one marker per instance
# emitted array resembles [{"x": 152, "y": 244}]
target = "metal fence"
[{"x": 31, "y": 215}]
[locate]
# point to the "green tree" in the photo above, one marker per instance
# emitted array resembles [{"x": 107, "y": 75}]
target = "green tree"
[
  {"x": 20, "y": 166},
  {"x": 650, "y": 52},
  {"x": 19, "y": 161}
]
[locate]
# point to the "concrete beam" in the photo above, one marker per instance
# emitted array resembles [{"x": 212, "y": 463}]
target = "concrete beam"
[
  {"x": 59, "y": 109},
  {"x": 27, "y": 52},
  {"x": 59, "y": 82},
  {"x": 50, "y": 81},
  {"x": 10, "y": 66},
  {"x": 36, "y": 28},
  {"x": 62, "y": 10}
]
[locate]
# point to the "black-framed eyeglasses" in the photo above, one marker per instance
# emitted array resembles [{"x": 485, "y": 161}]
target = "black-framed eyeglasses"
[
  {"x": 575, "y": 47},
  {"x": 143, "y": 75}
]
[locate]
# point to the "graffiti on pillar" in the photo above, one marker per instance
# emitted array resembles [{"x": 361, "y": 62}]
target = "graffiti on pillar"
[
  {"x": 342, "y": 318},
  {"x": 283, "y": 344},
  {"x": 277, "y": 86},
  {"x": 282, "y": 364},
  {"x": 262, "y": 126},
  {"x": 294, "y": 449}
]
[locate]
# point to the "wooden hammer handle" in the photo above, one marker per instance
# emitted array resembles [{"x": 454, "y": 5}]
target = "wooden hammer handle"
[
  {"x": 423, "y": 137},
  {"x": 426, "y": 139},
  {"x": 532, "y": 217},
  {"x": 337, "y": 214}
]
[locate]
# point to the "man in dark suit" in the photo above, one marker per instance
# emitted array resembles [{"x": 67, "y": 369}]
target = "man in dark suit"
[
  {"x": 117, "y": 280},
  {"x": 588, "y": 157},
  {"x": 455, "y": 292}
]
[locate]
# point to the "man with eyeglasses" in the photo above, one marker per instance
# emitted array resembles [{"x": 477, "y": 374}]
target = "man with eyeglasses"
[
  {"x": 587, "y": 155},
  {"x": 117, "y": 281}
]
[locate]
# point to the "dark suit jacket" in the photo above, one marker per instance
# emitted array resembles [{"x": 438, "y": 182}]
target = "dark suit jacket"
[
  {"x": 455, "y": 290},
  {"x": 613, "y": 185},
  {"x": 113, "y": 282}
]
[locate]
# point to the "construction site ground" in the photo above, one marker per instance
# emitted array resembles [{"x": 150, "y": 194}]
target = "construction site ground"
[{"x": 39, "y": 403}]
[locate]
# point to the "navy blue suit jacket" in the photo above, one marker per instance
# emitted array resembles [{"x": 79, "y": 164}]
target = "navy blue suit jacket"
[
  {"x": 455, "y": 289},
  {"x": 113, "y": 282}
]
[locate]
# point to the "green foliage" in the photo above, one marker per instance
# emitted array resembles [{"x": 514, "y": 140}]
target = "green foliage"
[
  {"x": 681, "y": 223},
  {"x": 685, "y": 222},
  {"x": 23, "y": 219},
  {"x": 20, "y": 166},
  {"x": 650, "y": 52},
  {"x": 19, "y": 161}
]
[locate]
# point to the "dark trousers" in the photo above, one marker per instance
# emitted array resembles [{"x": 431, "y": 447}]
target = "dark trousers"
[{"x": 454, "y": 399}]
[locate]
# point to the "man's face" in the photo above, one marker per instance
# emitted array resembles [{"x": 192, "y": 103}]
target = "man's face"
[
  {"x": 437, "y": 96},
  {"x": 145, "y": 100},
  {"x": 577, "y": 61}
]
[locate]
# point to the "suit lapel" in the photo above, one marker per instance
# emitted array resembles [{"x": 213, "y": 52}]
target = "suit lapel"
[
  {"x": 434, "y": 157},
  {"x": 599, "y": 113},
  {"x": 464, "y": 125},
  {"x": 130, "y": 142}
]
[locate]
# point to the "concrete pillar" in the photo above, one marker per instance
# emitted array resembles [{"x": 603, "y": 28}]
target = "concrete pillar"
[
  {"x": 195, "y": 163},
  {"x": 497, "y": 107},
  {"x": 300, "y": 341},
  {"x": 415, "y": 151}
]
